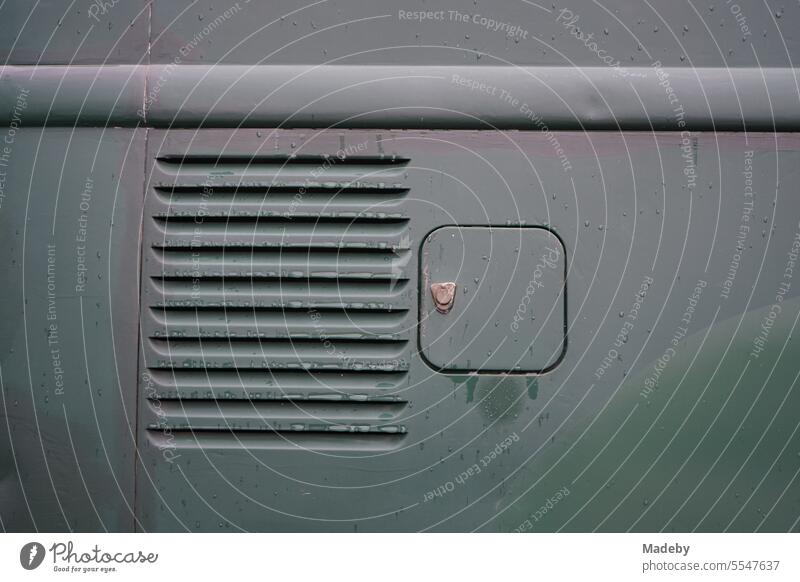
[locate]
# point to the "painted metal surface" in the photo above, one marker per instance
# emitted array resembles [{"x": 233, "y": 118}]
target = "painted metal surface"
[
  {"x": 85, "y": 96},
  {"x": 217, "y": 267},
  {"x": 510, "y": 64},
  {"x": 272, "y": 451},
  {"x": 477, "y": 97},
  {"x": 382, "y": 32},
  {"x": 508, "y": 280},
  {"x": 465, "y": 32},
  {"x": 425, "y": 97},
  {"x": 80, "y": 32},
  {"x": 70, "y": 265}
]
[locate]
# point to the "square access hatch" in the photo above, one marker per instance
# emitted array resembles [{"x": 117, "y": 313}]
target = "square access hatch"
[{"x": 492, "y": 299}]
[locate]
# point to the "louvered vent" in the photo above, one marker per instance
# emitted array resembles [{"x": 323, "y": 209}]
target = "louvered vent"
[{"x": 276, "y": 301}]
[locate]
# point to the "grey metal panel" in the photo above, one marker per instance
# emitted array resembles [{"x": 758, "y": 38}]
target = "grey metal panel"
[
  {"x": 512, "y": 65},
  {"x": 506, "y": 280},
  {"x": 651, "y": 233},
  {"x": 540, "y": 98},
  {"x": 72, "y": 96},
  {"x": 270, "y": 322},
  {"x": 364, "y": 33},
  {"x": 282, "y": 387},
  {"x": 466, "y": 32},
  {"x": 474, "y": 97},
  {"x": 67, "y": 32},
  {"x": 376, "y": 33},
  {"x": 70, "y": 203}
]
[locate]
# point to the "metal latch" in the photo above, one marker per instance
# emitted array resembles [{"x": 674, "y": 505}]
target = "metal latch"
[{"x": 443, "y": 296}]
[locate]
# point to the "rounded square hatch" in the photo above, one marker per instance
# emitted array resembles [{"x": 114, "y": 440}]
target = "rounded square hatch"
[{"x": 492, "y": 299}]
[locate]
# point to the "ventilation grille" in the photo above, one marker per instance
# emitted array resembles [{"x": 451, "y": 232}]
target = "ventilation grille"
[{"x": 276, "y": 302}]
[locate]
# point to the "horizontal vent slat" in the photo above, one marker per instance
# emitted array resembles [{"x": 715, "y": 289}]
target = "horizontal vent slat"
[
  {"x": 283, "y": 219},
  {"x": 282, "y": 305},
  {"x": 359, "y": 385},
  {"x": 216, "y": 323},
  {"x": 227, "y": 417},
  {"x": 277, "y": 301},
  {"x": 271, "y": 191},
  {"x": 302, "y": 353},
  {"x": 266, "y": 426},
  {"x": 314, "y": 198},
  {"x": 282, "y": 159},
  {"x": 208, "y": 170},
  {"x": 288, "y": 263},
  {"x": 377, "y": 347},
  {"x": 211, "y": 362},
  {"x": 260, "y": 414},
  {"x": 356, "y": 442},
  {"x": 307, "y": 233},
  {"x": 283, "y": 291}
]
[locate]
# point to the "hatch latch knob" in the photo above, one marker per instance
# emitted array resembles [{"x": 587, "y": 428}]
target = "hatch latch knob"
[{"x": 443, "y": 296}]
